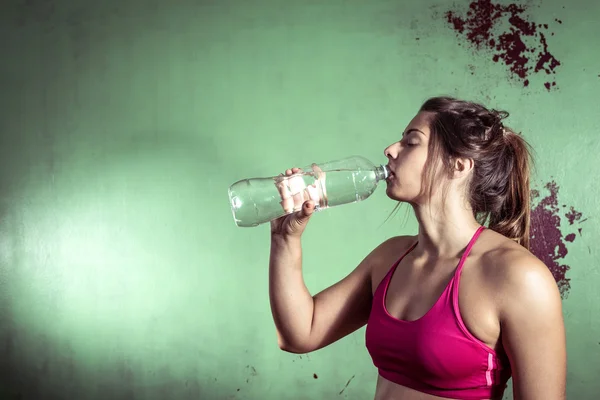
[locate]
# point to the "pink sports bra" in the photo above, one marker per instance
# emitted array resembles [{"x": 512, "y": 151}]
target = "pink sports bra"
[{"x": 435, "y": 354}]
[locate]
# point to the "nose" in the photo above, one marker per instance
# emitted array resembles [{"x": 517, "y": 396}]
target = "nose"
[{"x": 391, "y": 151}]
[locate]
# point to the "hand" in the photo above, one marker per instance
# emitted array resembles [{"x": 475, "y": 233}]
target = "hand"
[{"x": 298, "y": 201}]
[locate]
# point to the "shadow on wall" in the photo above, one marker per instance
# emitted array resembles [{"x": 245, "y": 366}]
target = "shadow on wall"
[
  {"x": 58, "y": 373},
  {"x": 40, "y": 360},
  {"x": 33, "y": 367}
]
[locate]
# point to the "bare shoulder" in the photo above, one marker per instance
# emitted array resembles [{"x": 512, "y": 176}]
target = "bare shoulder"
[
  {"x": 386, "y": 254},
  {"x": 530, "y": 316},
  {"x": 394, "y": 247},
  {"x": 396, "y": 243},
  {"x": 518, "y": 277}
]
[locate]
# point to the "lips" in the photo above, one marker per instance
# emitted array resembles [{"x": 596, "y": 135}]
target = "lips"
[{"x": 391, "y": 174}]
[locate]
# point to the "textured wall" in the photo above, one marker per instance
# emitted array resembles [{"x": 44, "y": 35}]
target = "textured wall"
[{"x": 122, "y": 275}]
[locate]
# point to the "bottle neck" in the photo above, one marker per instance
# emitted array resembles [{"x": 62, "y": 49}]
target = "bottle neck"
[{"x": 382, "y": 172}]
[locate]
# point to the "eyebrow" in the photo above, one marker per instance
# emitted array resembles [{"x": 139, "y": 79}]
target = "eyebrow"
[{"x": 413, "y": 130}]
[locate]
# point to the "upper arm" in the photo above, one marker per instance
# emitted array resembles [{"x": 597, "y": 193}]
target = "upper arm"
[
  {"x": 345, "y": 306},
  {"x": 533, "y": 333}
]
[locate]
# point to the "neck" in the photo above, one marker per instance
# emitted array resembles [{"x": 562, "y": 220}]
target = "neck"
[{"x": 444, "y": 232}]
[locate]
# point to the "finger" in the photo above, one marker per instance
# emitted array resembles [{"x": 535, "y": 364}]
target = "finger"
[
  {"x": 287, "y": 204},
  {"x": 282, "y": 187},
  {"x": 313, "y": 193},
  {"x": 302, "y": 216},
  {"x": 297, "y": 186},
  {"x": 296, "y": 183}
]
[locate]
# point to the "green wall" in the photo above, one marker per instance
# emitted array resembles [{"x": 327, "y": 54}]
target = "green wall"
[{"x": 122, "y": 274}]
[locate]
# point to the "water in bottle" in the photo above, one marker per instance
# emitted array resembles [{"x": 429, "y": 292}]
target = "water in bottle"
[{"x": 255, "y": 201}]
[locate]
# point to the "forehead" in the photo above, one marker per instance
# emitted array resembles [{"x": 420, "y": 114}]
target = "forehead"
[{"x": 420, "y": 122}]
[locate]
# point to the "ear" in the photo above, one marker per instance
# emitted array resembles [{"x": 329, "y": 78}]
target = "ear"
[{"x": 462, "y": 167}]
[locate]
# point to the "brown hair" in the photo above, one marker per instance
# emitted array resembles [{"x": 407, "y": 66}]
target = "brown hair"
[{"x": 499, "y": 189}]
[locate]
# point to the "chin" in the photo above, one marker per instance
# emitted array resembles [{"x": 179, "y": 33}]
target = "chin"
[
  {"x": 395, "y": 194},
  {"x": 392, "y": 194}
]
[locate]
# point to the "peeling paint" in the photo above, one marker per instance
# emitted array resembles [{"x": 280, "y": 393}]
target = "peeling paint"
[
  {"x": 548, "y": 242},
  {"x": 503, "y": 30}
]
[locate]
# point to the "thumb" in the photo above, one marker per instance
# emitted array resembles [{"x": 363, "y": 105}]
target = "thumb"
[{"x": 302, "y": 216}]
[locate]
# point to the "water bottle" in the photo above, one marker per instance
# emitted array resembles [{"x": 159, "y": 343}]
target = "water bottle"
[{"x": 258, "y": 200}]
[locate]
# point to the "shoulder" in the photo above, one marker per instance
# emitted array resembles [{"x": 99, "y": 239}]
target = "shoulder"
[
  {"x": 394, "y": 247},
  {"x": 398, "y": 243},
  {"x": 531, "y": 319},
  {"x": 383, "y": 257},
  {"x": 520, "y": 280}
]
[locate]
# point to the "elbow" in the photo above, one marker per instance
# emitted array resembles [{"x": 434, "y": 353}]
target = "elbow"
[
  {"x": 289, "y": 349},
  {"x": 292, "y": 348}
]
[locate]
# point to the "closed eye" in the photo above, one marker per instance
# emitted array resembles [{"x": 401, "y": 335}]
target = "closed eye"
[{"x": 410, "y": 143}]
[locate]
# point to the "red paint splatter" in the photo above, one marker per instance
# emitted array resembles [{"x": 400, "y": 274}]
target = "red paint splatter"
[
  {"x": 573, "y": 216},
  {"x": 481, "y": 24},
  {"x": 547, "y": 241}
]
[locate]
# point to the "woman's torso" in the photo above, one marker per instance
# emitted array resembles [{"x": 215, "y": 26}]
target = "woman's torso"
[{"x": 417, "y": 284}]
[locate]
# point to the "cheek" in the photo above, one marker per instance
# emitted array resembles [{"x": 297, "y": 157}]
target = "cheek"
[{"x": 413, "y": 163}]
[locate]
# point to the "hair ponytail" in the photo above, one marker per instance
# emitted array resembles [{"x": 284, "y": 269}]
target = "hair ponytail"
[{"x": 513, "y": 217}]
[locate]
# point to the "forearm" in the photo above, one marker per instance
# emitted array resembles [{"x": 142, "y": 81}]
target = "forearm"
[{"x": 291, "y": 303}]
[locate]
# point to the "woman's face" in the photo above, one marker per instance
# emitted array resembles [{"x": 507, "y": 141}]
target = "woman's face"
[{"x": 406, "y": 160}]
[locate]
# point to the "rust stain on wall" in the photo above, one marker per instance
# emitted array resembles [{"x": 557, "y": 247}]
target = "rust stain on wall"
[
  {"x": 504, "y": 32},
  {"x": 548, "y": 242}
]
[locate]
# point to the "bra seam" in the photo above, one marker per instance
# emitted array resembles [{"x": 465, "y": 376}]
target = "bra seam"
[{"x": 463, "y": 326}]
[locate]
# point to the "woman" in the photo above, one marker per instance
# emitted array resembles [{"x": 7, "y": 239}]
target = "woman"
[{"x": 455, "y": 311}]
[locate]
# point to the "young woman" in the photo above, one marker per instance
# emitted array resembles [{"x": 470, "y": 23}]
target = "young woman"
[{"x": 456, "y": 310}]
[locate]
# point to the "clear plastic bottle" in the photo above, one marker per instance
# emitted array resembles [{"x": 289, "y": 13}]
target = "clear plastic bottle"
[{"x": 258, "y": 200}]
